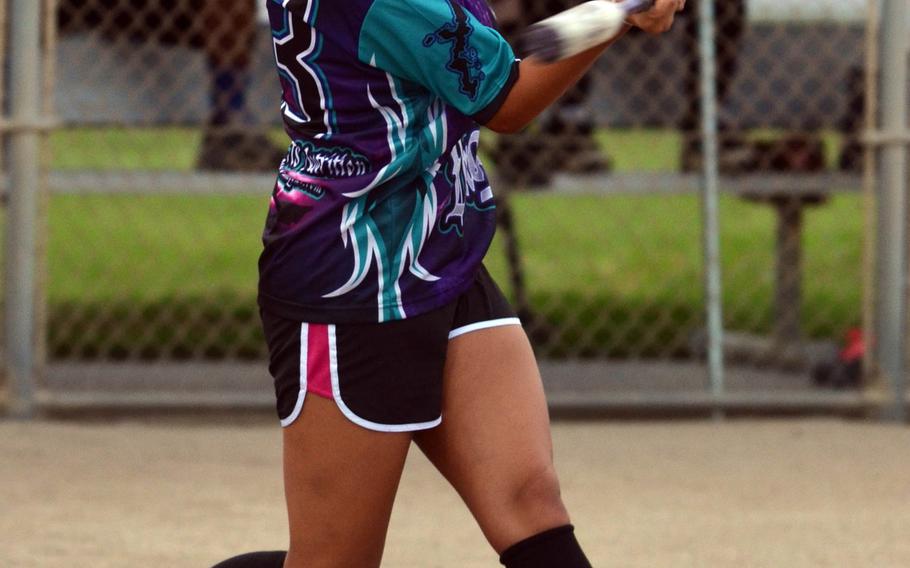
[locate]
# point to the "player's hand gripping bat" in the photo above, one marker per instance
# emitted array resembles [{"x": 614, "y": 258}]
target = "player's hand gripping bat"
[{"x": 579, "y": 28}]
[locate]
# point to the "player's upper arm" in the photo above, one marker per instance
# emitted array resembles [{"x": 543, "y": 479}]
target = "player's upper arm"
[{"x": 442, "y": 46}]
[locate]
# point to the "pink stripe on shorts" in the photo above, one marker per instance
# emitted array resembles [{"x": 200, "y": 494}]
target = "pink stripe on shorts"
[{"x": 319, "y": 378}]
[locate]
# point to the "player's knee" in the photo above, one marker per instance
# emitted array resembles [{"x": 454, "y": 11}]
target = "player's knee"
[{"x": 537, "y": 493}]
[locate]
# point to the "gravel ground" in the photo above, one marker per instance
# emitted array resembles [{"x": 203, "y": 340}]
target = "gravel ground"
[{"x": 174, "y": 492}]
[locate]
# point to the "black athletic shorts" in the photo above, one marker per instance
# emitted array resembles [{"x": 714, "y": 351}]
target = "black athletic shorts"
[{"x": 383, "y": 376}]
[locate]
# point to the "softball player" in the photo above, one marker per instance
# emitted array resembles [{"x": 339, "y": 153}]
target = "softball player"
[{"x": 383, "y": 326}]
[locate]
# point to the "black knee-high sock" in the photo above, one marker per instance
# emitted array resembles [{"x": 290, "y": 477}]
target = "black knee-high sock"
[
  {"x": 555, "y": 548},
  {"x": 274, "y": 559}
]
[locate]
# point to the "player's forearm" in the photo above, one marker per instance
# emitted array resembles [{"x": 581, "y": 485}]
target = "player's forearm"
[{"x": 539, "y": 85}]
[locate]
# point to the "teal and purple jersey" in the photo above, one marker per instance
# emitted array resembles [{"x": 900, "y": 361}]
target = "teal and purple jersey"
[{"x": 381, "y": 210}]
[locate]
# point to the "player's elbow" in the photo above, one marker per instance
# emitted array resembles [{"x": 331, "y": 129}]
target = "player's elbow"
[
  {"x": 520, "y": 107},
  {"x": 505, "y": 123},
  {"x": 505, "y": 127}
]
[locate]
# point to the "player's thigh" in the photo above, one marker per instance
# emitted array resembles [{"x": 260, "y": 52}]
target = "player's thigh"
[
  {"x": 494, "y": 444},
  {"x": 340, "y": 483}
]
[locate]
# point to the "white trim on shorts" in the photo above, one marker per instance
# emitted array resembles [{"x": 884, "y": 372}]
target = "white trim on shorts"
[
  {"x": 336, "y": 391},
  {"x": 349, "y": 414},
  {"x": 304, "y": 343},
  {"x": 477, "y": 326}
]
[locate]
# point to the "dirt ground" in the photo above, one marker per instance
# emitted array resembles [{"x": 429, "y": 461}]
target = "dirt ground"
[{"x": 175, "y": 493}]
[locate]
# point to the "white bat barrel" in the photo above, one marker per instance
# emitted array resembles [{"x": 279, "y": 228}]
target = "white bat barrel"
[{"x": 578, "y": 29}]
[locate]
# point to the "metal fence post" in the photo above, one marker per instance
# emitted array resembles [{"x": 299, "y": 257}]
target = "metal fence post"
[
  {"x": 894, "y": 140},
  {"x": 710, "y": 190},
  {"x": 22, "y": 210}
]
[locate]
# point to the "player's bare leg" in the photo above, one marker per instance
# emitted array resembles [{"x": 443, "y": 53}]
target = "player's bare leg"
[
  {"x": 340, "y": 483},
  {"x": 494, "y": 443}
]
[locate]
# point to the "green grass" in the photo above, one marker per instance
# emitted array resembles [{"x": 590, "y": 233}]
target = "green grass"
[
  {"x": 174, "y": 148},
  {"x": 104, "y": 248},
  {"x": 175, "y": 276},
  {"x": 121, "y": 148}
]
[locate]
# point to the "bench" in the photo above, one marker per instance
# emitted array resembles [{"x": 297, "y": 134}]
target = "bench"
[{"x": 789, "y": 194}]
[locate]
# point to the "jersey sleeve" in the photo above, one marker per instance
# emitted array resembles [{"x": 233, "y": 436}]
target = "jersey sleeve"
[{"x": 443, "y": 47}]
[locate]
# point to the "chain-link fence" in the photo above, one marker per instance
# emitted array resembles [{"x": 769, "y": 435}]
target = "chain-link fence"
[{"x": 161, "y": 169}]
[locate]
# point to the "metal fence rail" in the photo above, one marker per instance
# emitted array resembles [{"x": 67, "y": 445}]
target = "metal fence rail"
[
  {"x": 703, "y": 188},
  {"x": 22, "y": 204},
  {"x": 893, "y": 138}
]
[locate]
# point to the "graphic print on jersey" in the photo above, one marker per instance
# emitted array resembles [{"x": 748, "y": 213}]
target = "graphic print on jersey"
[
  {"x": 464, "y": 59},
  {"x": 306, "y": 174},
  {"x": 389, "y": 229},
  {"x": 469, "y": 179},
  {"x": 381, "y": 210},
  {"x": 295, "y": 51}
]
